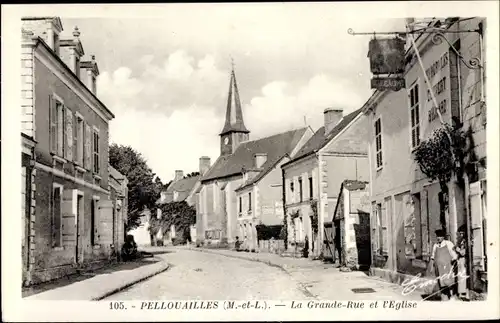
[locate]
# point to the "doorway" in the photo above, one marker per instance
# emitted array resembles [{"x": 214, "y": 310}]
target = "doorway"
[{"x": 79, "y": 214}]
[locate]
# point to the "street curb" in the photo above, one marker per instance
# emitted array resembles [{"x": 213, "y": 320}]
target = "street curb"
[
  {"x": 302, "y": 287},
  {"x": 131, "y": 283}
]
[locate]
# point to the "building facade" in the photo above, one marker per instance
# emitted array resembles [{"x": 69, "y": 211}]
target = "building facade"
[
  {"x": 337, "y": 151},
  {"x": 218, "y": 205},
  {"x": 405, "y": 203},
  {"x": 118, "y": 185},
  {"x": 70, "y": 196},
  {"x": 351, "y": 226}
]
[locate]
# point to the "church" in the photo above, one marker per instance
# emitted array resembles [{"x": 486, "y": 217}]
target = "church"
[{"x": 242, "y": 163}]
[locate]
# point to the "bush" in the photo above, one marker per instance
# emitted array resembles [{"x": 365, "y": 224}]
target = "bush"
[{"x": 178, "y": 241}]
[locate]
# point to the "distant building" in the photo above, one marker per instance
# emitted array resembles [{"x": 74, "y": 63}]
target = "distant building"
[
  {"x": 223, "y": 213},
  {"x": 119, "y": 195},
  {"x": 181, "y": 189},
  {"x": 336, "y": 152},
  {"x": 68, "y": 208},
  {"x": 351, "y": 226}
]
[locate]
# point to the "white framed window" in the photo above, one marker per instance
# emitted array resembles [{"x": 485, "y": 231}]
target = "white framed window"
[
  {"x": 414, "y": 101},
  {"x": 95, "y": 152},
  {"x": 301, "y": 193},
  {"x": 56, "y": 214},
  {"x": 378, "y": 142}
]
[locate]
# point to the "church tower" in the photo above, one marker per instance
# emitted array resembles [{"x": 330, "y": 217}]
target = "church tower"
[{"x": 234, "y": 131}]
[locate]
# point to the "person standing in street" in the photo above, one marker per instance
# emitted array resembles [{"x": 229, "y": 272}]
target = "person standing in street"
[
  {"x": 443, "y": 258},
  {"x": 461, "y": 250}
]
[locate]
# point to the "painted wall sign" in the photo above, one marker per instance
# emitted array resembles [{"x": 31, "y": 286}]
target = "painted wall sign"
[
  {"x": 387, "y": 56},
  {"x": 388, "y": 83},
  {"x": 438, "y": 65}
]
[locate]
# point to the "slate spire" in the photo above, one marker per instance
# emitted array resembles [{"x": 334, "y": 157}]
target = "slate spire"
[{"x": 234, "y": 116}]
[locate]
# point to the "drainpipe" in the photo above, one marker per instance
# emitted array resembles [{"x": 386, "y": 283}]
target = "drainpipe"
[{"x": 285, "y": 217}]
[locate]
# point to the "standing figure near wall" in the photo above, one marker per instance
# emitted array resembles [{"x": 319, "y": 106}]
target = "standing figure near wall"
[
  {"x": 442, "y": 259},
  {"x": 461, "y": 250}
]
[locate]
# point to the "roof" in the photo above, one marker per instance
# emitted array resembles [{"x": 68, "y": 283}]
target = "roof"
[
  {"x": 234, "y": 116},
  {"x": 115, "y": 173},
  {"x": 183, "y": 187},
  {"x": 39, "y": 41},
  {"x": 319, "y": 140},
  {"x": 275, "y": 147}
]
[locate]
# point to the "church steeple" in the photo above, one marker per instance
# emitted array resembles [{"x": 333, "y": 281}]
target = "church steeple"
[{"x": 234, "y": 131}]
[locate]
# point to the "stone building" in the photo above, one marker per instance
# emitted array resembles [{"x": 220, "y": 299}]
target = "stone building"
[
  {"x": 118, "y": 184},
  {"x": 70, "y": 204},
  {"x": 337, "y": 151},
  {"x": 351, "y": 226},
  {"x": 181, "y": 189},
  {"x": 220, "y": 209},
  {"x": 405, "y": 203}
]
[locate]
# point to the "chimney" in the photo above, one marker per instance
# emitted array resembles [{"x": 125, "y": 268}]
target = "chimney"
[
  {"x": 179, "y": 174},
  {"x": 204, "y": 165},
  {"x": 260, "y": 159},
  {"x": 332, "y": 118},
  {"x": 91, "y": 71},
  {"x": 71, "y": 50}
]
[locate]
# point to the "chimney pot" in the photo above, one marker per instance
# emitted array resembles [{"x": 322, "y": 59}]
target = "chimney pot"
[
  {"x": 332, "y": 118},
  {"x": 204, "y": 165},
  {"x": 179, "y": 174}
]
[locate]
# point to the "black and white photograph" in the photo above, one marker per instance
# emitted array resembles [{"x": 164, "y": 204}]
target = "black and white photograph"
[{"x": 252, "y": 158}]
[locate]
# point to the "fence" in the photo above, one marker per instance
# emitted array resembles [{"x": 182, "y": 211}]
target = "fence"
[{"x": 272, "y": 246}]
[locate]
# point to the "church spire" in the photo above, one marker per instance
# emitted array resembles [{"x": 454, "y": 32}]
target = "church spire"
[{"x": 234, "y": 116}]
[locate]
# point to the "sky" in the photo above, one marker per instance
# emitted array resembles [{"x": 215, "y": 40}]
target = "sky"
[{"x": 166, "y": 77}]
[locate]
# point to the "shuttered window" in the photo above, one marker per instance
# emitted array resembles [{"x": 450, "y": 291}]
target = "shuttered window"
[
  {"x": 95, "y": 153},
  {"x": 80, "y": 134},
  {"x": 54, "y": 121},
  {"x": 415, "y": 116},
  {"x": 68, "y": 134},
  {"x": 87, "y": 154}
]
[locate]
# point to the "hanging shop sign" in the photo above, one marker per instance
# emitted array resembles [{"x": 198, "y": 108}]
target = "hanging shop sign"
[
  {"x": 388, "y": 83},
  {"x": 387, "y": 56}
]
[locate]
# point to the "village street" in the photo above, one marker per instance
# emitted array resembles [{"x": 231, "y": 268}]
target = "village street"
[{"x": 216, "y": 274}]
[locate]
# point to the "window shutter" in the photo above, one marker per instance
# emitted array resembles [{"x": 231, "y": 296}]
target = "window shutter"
[
  {"x": 476, "y": 212},
  {"x": 104, "y": 222},
  {"x": 52, "y": 124},
  {"x": 76, "y": 156},
  {"x": 424, "y": 223},
  {"x": 68, "y": 151},
  {"x": 56, "y": 217},
  {"x": 68, "y": 219},
  {"x": 385, "y": 232},
  {"x": 88, "y": 147}
]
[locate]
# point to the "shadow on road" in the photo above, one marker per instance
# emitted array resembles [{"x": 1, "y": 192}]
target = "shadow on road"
[{"x": 84, "y": 275}]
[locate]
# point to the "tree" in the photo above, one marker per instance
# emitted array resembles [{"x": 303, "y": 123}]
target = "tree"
[
  {"x": 143, "y": 191},
  {"x": 193, "y": 174},
  {"x": 180, "y": 214}
]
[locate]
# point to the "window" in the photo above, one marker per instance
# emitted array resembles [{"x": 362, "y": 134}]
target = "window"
[
  {"x": 378, "y": 142},
  {"x": 418, "y": 242},
  {"x": 94, "y": 85},
  {"x": 56, "y": 43},
  {"x": 300, "y": 190},
  {"x": 54, "y": 122},
  {"x": 249, "y": 201},
  {"x": 57, "y": 126},
  {"x": 311, "y": 195},
  {"x": 56, "y": 216},
  {"x": 292, "y": 194},
  {"x": 414, "y": 116},
  {"x": 96, "y": 152},
  {"x": 241, "y": 204},
  {"x": 79, "y": 140}
]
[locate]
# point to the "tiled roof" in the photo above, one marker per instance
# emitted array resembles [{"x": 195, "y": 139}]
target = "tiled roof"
[
  {"x": 275, "y": 146},
  {"x": 319, "y": 140},
  {"x": 183, "y": 187}
]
